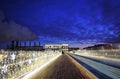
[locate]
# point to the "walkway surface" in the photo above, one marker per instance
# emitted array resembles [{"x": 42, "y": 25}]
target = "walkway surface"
[
  {"x": 108, "y": 71},
  {"x": 64, "y": 67}
]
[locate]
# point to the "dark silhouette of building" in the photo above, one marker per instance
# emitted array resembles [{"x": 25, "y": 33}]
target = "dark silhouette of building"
[
  {"x": 73, "y": 48},
  {"x": 16, "y": 45},
  {"x": 99, "y": 47}
]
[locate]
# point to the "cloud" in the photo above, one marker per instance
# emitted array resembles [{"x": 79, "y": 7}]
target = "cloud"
[
  {"x": 111, "y": 11},
  {"x": 10, "y": 31},
  {"x": 2, "y": 17},
  {"x": 89, "y": 20},
  {"x": 80, "y": 21}
]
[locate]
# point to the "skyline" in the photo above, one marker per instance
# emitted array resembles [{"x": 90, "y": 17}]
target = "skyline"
[{"x": 76, "y": 22}]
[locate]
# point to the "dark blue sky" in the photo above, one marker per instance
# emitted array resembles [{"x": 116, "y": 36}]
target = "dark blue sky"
[{"x": 77, "y": 22}]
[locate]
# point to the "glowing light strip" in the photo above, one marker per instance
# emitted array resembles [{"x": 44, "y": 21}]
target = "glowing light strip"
[{"x": 38, "y": 69}]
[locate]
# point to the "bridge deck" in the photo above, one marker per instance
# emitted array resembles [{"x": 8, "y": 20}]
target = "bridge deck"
[{"x": 63, "y": 68}]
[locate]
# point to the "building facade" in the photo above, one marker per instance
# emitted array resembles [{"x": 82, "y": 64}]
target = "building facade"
[{"x": 63, "y": 47}]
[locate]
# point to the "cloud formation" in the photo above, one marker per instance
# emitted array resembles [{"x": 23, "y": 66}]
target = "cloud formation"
[
  {"x": 72, "y": 21},
  {"x": 11, "y": 31}
]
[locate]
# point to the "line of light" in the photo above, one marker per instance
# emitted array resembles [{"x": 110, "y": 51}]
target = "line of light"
[{"x": 39, "y": 68}]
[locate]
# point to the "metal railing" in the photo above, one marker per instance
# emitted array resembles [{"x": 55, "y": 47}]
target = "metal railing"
[
  {"x": 14, "y": 64},
  {"x": 112, "y": 53}
]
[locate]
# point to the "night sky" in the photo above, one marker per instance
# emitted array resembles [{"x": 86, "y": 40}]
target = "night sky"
[{"x": 77, "y": 22}]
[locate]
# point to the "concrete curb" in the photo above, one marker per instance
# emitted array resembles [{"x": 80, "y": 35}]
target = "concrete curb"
[{"x": 80, "y": 67}]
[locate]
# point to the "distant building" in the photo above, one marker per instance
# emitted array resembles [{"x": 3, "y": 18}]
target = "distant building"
[
  {"x": 17, "y": 46},
  {"x": 73, "y": 48},
  {"x": 116, "y": 46},
  {"x": 30, "y": 48},
  {"x": 63, "y": 47},
  {"x": 99, "y": 47}
]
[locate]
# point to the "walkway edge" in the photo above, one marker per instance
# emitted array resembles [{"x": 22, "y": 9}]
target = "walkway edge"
[
  {"x": 81, "y": 67},
  {"x": 39, "y": 68}
]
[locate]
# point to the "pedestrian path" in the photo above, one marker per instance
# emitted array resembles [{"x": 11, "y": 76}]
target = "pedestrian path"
[
  {"x": 63, "y": 67},
  {"x": 110, "y": 71}
]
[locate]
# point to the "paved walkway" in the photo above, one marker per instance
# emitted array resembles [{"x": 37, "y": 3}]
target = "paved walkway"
[
  {"x": 110, "y": 71},
  {"x": 63, "y": 68}
]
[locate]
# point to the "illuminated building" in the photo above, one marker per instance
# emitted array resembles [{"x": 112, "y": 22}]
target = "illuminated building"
[{"x": 63, "y": 47}]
